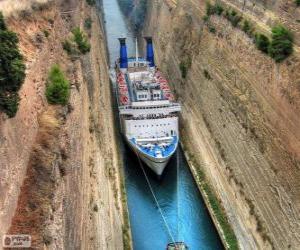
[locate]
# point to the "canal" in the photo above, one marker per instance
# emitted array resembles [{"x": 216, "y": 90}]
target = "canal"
[{"x": 179, "y": 198}]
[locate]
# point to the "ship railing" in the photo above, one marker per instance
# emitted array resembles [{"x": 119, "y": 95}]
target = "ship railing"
[{"x": 129, "y": 110}]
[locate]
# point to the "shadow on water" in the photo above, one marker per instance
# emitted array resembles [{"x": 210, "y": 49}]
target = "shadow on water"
[{"x": 178, "y": 196}]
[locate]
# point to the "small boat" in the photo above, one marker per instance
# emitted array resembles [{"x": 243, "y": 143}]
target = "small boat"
[{"x": 177, "y": 246}]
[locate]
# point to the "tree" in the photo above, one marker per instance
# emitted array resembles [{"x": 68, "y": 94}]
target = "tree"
[
  {"x": 12, "y": 70},
  {"x": 58, "y": 87}
]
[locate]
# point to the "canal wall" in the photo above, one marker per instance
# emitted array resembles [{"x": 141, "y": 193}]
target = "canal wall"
[
  {"x": 239, "y": 112},
  {"x": 60, "y": 167}
]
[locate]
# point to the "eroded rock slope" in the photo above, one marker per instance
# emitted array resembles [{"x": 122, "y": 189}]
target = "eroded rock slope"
[{"x": 240, "y": 115}]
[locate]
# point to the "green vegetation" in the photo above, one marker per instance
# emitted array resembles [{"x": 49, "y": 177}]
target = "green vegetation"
[
  {"x": 58, "y": 87},
  {"x": 78, "y": 44},
  {"x": 214, "y": 9},
  {"x": 281, "y": 45},
  {"x": 12, "y": 70},
  {"x": 206, "y": 74},
  {"x": 81, "y": 40},
  {"x": 212, "y": 29},
  {"x": 297, "y": 2},
  {"x": 247, "y": 27},
  {"x": 233, "y": 17},
  {"x": 183, "y": 69},
  {"x": 216, "y": 206},
  {"x": 91, "y": 2},
  {"x": 221, "y": 217},
  {"x": 184, "y": 66},
  {"x": 46, "y": 33},
  {"x": 88, "y": 23},
  {"x": 262, "y": 42}
]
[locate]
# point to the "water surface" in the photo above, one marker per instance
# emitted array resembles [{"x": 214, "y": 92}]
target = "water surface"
[{"x": 177, "y": 194}]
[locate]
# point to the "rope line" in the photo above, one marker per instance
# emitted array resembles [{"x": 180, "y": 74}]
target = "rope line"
[
  {"x": 177, "y": 187},
  {"x": 156, "y": 201}
]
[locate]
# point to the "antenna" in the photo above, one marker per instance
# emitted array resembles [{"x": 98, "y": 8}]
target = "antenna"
[{"x": 136, "y": 49}]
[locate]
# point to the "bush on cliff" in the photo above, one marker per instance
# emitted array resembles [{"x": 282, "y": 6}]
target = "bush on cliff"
[
  {"x": 58, "y": 87},
  {"x": 91, "y": 2},
  {"x": 262, "y": 42},
  {"x": 81, "y": 40},
  {"x": 281, "y": 45},
  {"x": 12, "y": 70},
  {"x": 297, "y": 2}
]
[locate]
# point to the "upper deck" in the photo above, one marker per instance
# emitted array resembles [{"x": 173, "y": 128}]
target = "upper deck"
[{"x": 142, "y": 83}]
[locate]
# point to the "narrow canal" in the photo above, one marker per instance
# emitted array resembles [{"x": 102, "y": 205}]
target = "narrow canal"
[{"x": 178, "y": 195}]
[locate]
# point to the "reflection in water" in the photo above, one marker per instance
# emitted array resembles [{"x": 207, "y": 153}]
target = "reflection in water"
[{"x": 178, "y": 196}]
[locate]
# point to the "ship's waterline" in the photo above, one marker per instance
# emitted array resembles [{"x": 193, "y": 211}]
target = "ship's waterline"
[{"x": 177, "y": 193}]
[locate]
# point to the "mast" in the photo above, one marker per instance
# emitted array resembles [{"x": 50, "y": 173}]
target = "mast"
[{"x": 136, "y": 50}]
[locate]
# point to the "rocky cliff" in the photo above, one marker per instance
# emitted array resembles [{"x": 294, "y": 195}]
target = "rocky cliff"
[
  {"x": 60, "y": 178},
  {"x": 240, "y": 121}
]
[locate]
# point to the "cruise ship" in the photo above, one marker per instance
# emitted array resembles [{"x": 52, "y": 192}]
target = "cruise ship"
[{"x": 147, "y": 110}]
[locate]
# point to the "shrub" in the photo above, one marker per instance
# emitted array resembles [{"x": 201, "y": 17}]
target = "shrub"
[
  {"x": 91, "y": 2},
  {"x": 68, "y": 47},
  {"x": 233, "y": 17},
  {"x": 12, "y": 70},
  {"x": 206, "y": 18},
  {"x": 46, "y": 33},
  {"x": 81, "y": 40},
  {"x": 58, "y": 88},
  {"x": 206, "y": 74},
  {"x": 247, "y": 27},
  {"x": 262, "y": 42},
  {"x": 218, "y": 9},
  {"x": 281, "y": 45},
  {"x": 184, "y": 67},
  {"x": 297, "y": 2},
  {"x": 209, "y": 9},
  {"x": 212, "y": 29},
  {"x": 88, "y": 23},
  {"x": 214, "y": 9}
]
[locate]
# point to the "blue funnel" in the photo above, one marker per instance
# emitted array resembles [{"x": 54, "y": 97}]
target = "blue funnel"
[
  {"x": 150, "y": 52},
  {"x": 123, "y": 54}
]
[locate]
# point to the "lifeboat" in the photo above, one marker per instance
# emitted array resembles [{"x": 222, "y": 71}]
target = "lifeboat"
[{"x": 124, "y": 99}]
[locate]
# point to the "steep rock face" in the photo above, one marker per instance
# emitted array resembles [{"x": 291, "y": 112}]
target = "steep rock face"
[
  {"x": 17, "y": 135},
  {"x": 62, "y": 187},
  {"x": 239, "y": 116}
]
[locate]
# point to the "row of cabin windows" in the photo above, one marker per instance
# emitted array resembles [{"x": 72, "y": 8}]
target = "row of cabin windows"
[
  {"x": 157, "y": 125},
  {"x": 156, "y": 95},
  {"x": 142, "y": 96}
]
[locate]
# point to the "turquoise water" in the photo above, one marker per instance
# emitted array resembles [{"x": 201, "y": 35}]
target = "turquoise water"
[{"x": 179, "y": 198}]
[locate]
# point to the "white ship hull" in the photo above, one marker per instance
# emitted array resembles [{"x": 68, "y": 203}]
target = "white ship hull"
[{"x": 157, "y": 165}]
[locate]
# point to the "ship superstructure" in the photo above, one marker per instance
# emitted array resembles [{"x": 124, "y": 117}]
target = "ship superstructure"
[{"x": 148, "y": 112}]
